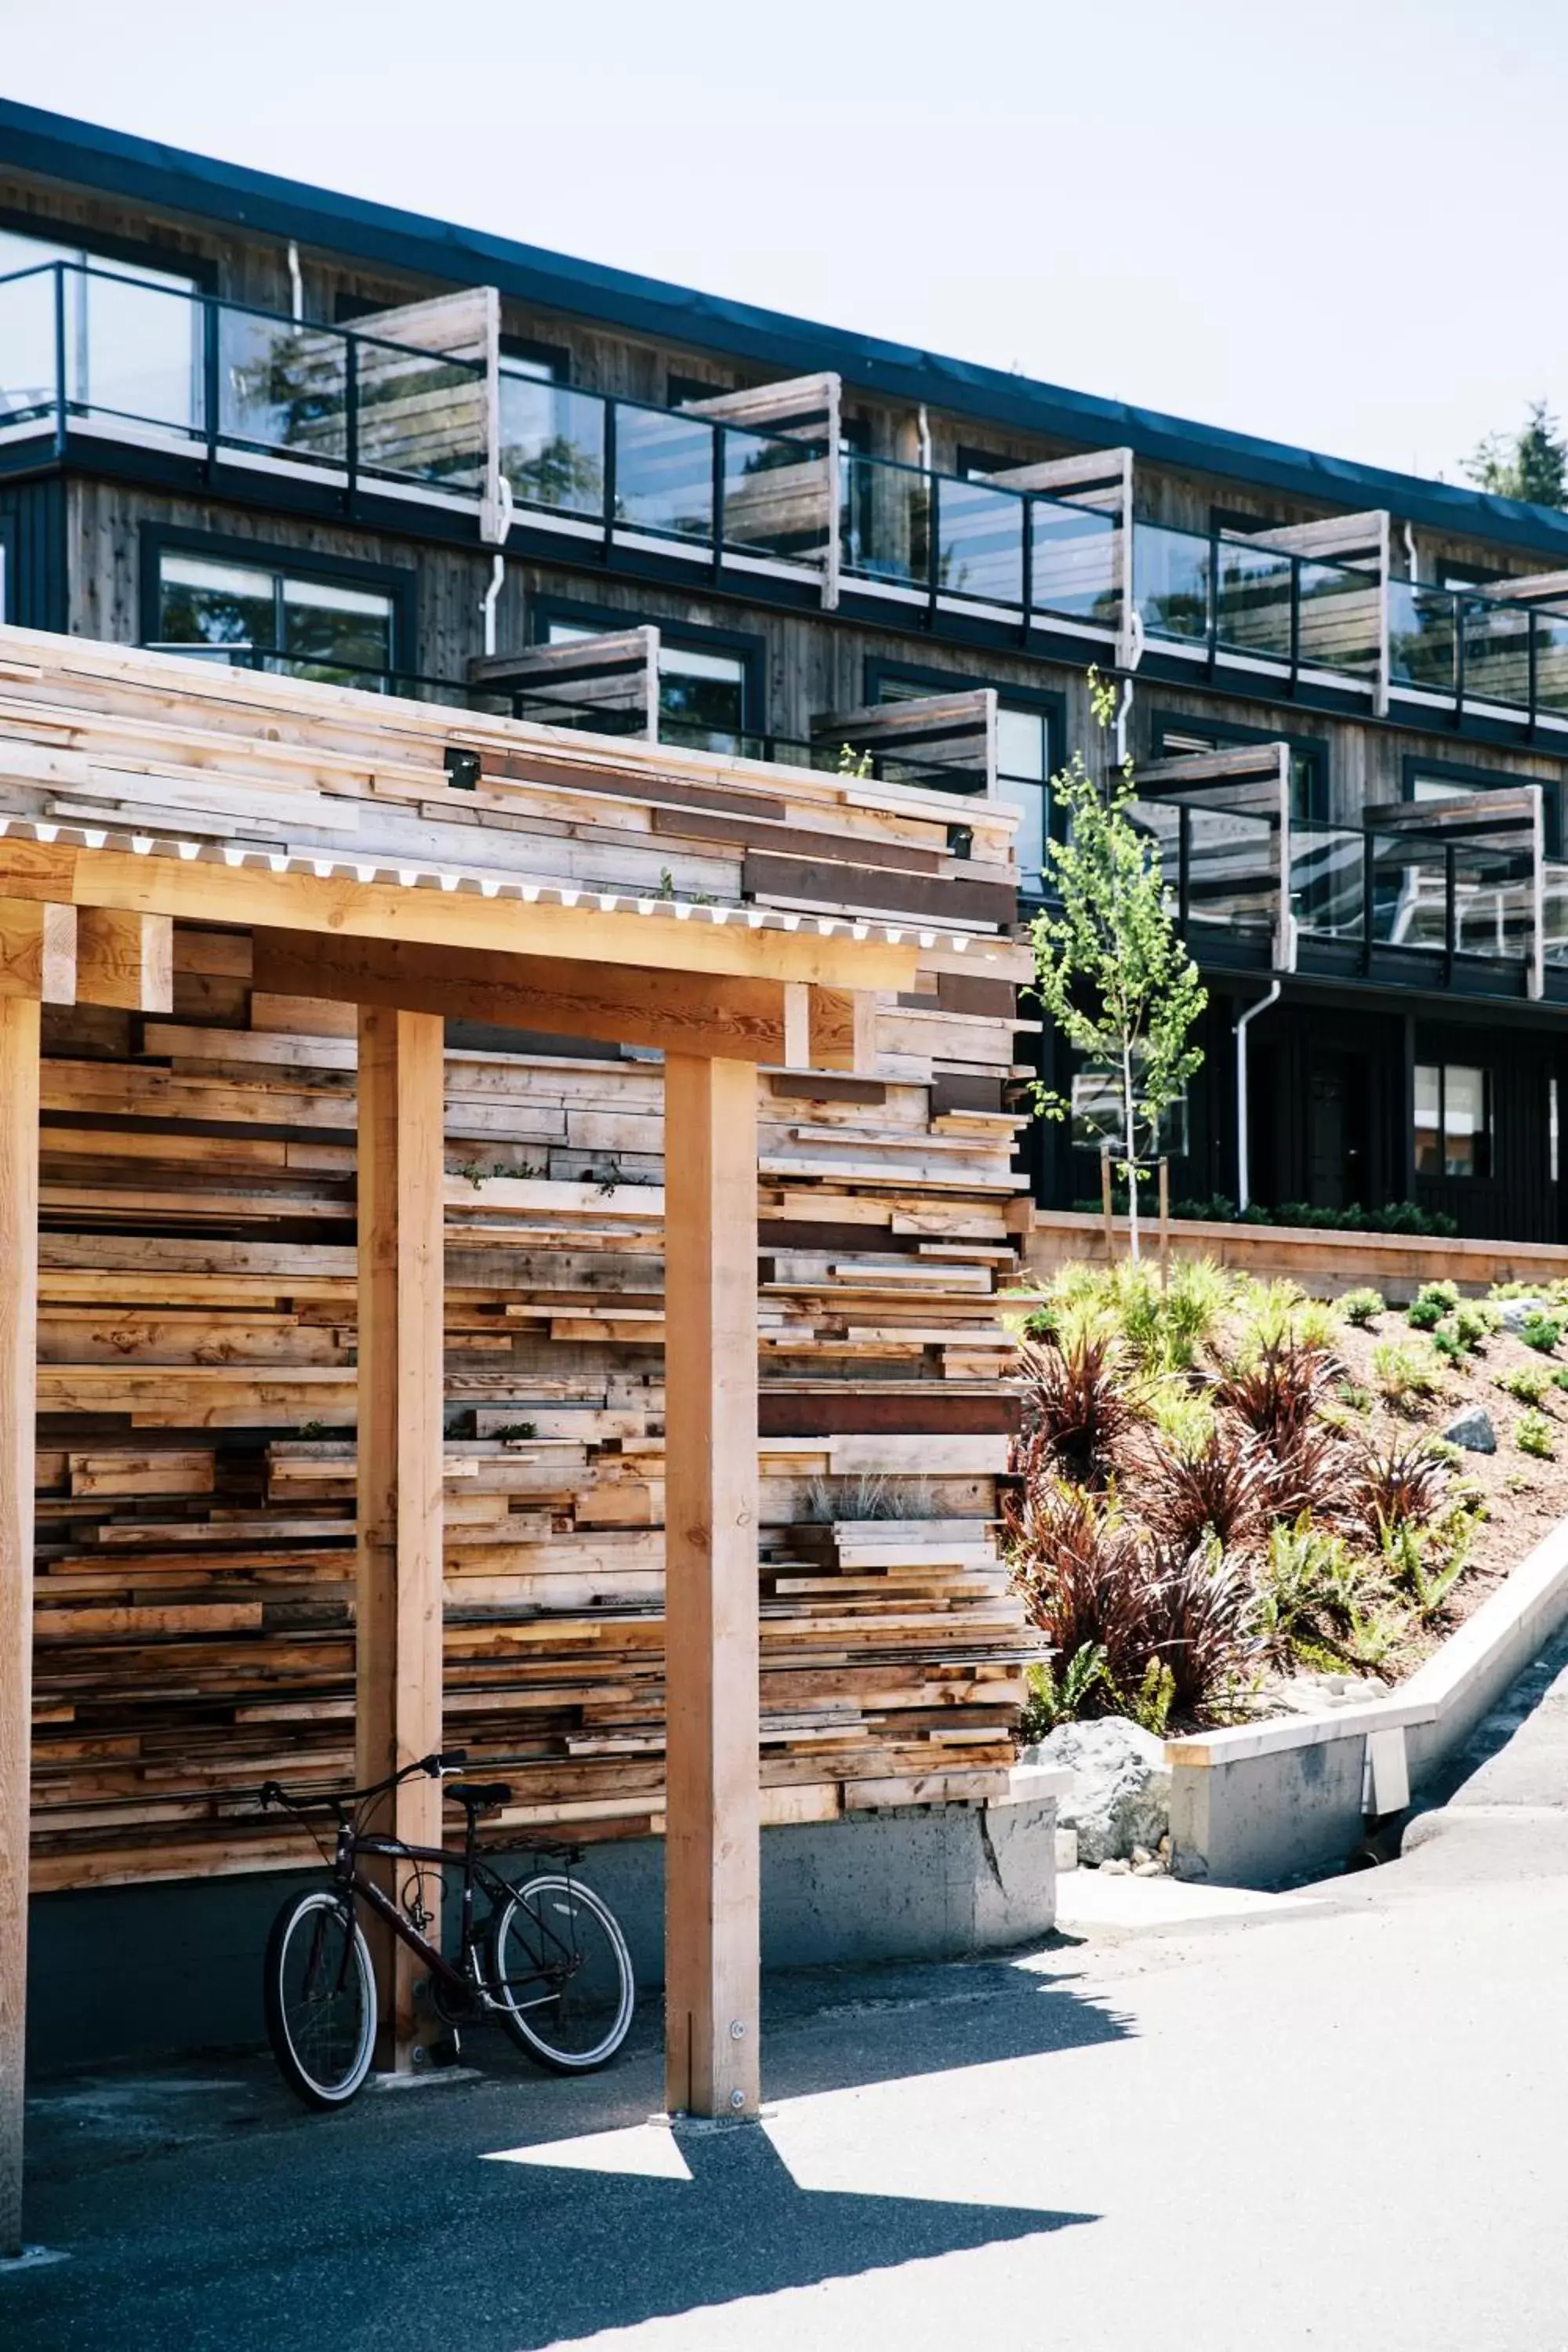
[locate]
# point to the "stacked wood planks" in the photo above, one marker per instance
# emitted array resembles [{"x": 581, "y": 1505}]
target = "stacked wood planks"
[{"x": 195, "y": 1595}]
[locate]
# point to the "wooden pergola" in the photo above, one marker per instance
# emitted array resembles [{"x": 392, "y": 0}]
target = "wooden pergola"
[{"x": 86, "y": 916}]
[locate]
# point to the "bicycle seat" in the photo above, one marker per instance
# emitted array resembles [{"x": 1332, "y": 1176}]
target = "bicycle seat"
[{"x": 478, "y": 1795}]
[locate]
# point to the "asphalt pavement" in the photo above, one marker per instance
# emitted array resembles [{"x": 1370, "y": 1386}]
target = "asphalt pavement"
[{"x": 1333, "y": 2119}]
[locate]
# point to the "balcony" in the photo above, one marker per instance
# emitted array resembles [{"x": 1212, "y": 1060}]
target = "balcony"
[
  {"x": 1305, "y": 601},
  {"x": 609, "y": 686},
  {"x": 1454, "y": 894}
]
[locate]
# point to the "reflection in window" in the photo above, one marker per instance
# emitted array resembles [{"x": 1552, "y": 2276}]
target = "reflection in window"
[
  {"x": 272, "y": 620},
  {"x": 1098, "y": 1117},
  {"x": 1453, "y": 1119}
]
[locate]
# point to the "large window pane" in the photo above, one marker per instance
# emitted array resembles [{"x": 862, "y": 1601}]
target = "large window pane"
[
  {"x": 701, "y": 698},
  {"x": 200, "y": 603},
  {"x": 1466, "y": 1141},
  {"x": 329, "y": 630},
  {"x": 1023, "y": 754},
  {"x": 552, "y": 444}
]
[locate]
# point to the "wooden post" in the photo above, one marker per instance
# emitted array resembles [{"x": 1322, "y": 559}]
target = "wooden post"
[
  {"x": 1164, "y": 1223},
  {"x": 1105, "y": 1202},
  {"x": 18, "y": 1390},
  {"x": 398, "y": 1644},
  {"x": 712, "y": 1919}
]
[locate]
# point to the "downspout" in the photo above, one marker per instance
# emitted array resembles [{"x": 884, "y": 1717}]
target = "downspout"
[
  {"x": 923, "y": 429},
  {"x": 1121, "y": 717},
  {"x": 1410, "y": 554},
  {"x": 296, "y": 285},
  {"x": 1243, "y": 1196},
  {"x": 498, "y": 569}
]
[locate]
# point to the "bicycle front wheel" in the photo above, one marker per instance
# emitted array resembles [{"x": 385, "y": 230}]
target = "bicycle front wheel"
[
  {"x": 320, "y": 1991},
  {"x": 562, "y": 1975}
]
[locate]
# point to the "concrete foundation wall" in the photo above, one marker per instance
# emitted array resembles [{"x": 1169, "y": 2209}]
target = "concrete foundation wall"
[
  {"x": 1264, "y": 1819},
  {"x": 150, "y": 1971}
]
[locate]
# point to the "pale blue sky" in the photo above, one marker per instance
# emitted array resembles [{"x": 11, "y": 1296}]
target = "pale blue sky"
[{"x": 1333, "y": 223}]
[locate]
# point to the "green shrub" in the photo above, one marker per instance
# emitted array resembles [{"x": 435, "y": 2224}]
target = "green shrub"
[
  {"x": 1353, "y": 1398},
  {"x": 1558, "y": 1376},
  {"x": 1540, "y": 1332},
  {"x": 1449, "y": 1346},
  {"x": 1425, "y": 1314},
  {"x": 1445, "y": 1295},
  {"x": 1528, "y": 1385},
  {"x": 1472, "y": 1328},
  {"x": 1362, "y": 1306},
  {"x": 1533, "y": 1434},
  {"x": 1405, "y": 1375}
]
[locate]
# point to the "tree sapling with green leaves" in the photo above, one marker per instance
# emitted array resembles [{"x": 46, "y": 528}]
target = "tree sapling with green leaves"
[{"x": 1112, "y": 970}]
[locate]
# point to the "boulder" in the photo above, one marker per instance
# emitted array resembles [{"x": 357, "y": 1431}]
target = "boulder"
[
  {"x": 1121, "y": 1795},
  {"x": 1515, "y": 1314},
  {"x": 1473, "y": 1430}
]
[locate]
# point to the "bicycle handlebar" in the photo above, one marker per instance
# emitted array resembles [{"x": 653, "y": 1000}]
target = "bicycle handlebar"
[{"x": 450, "y": 1759}]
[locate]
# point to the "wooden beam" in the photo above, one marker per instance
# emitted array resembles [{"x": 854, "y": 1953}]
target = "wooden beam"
[
  {"x": 399, "y": 1455},
  {"x": 125, "y": 959},
  {"x": 711, "y": 1861},
  {"x": 37, "y": 950},
  {"x": 201, "y": 889},
  {"x": 680, "y": 1012},
  {"x": 20, "y": 1019}
]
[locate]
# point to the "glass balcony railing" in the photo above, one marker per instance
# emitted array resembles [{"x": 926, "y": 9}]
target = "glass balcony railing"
[
  {"x": 945, "y": 536},
  {"x": 1258, "y": 603},
  {"x": 1416, "y": 891},
  {"x": 1328, "y": 880},
  {"x": 1473, "y": 649},
  {"x": 85, "y": 346},
  {"x": 1221, "y": 867}
]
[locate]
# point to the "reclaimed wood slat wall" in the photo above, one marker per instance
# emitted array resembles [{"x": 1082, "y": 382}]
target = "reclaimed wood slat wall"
[{"x": 195, "y": 1594}]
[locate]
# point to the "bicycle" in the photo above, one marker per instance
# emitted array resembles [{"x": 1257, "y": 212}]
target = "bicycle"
[{"x": 548, "y": 1962}]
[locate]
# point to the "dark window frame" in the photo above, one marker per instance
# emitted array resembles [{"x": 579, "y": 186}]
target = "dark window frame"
[
  {"x": 678, "y": 388},
  {"x": 1314, "y": 751},
  {"x": 743, "y": 645},
  {"x": 400, "y": 581},
  {"x": 1464, "y": 772},
  {"x": 1442, "y": 1064}
]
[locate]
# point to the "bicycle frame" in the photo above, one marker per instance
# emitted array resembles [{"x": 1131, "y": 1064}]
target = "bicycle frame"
[{"x": 358, "y": 1887}]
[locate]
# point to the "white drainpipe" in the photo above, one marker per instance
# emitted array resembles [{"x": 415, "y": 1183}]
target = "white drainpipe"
[
  {"x": 498, "y": 569},
  {"x": 297, "y": 283},
  {"x": 1243, "y": 1194},
  {"x": 1410, "y": 553}
]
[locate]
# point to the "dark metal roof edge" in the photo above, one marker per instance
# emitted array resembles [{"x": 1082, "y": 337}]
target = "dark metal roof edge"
[{"x": 59, "y": 147}]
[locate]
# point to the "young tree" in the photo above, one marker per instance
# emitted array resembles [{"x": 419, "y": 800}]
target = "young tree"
[
  {"x": 1110, "y": 969},
  {"x": 1530, "y": 464}
]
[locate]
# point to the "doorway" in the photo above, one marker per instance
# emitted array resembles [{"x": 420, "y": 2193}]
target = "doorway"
[{"x": 1337, "y": 1152}]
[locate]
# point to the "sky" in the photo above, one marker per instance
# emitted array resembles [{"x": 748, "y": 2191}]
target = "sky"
[{"x": 1332, "y": 224}]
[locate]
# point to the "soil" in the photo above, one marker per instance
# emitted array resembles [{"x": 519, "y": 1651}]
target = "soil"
[{"x": 1523, "y": 1494}]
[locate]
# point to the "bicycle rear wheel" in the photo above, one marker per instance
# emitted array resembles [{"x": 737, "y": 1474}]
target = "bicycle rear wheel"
[
  {"x": 560, "y": 1968},
  {"x": 319, "y": 1995}
]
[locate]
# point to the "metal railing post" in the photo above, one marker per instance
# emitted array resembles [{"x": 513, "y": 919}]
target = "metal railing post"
[
  {"x": 715, "y": 521},
  {"x": 1450, "y": 910},
  {"x": 609, "y": 479},
  {"x": 59, "y": 277},
  {"x": 1027, "y": 511},
  {"x": 1368, "y": 895},
  {"x": 1183, "y": 867},
  {"x": 210, "y": 390},
  {"x": 1295, "y": 621},
  {"x": 934, "y": 544},
  {"x": 350, "y": 417},
  {"x": 1456, "y": 606}
]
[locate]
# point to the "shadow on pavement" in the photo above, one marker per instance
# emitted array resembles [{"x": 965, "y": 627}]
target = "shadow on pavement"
[{"x": 383, "y": 2227}]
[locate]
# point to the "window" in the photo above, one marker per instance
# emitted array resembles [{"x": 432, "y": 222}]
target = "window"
[
  {"x": 306, "y": 627},
  {"x": 133, "y": 335},
  {"x": 1028, "y": 739},
  {"x": 702, "y": 695},
  {"x": 1453, "y": 1119},
  {"x": 1553, "y": 1133},
  {"x": 1098, "y": 1116},
  {"x": 1308, "y": 760},
  {"x": 1022, "y": 777},
  {"x": 680, "y": 389}
]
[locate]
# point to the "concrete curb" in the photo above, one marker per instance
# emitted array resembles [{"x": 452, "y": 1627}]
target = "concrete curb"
[{"x": 1267, "y": 1802}]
